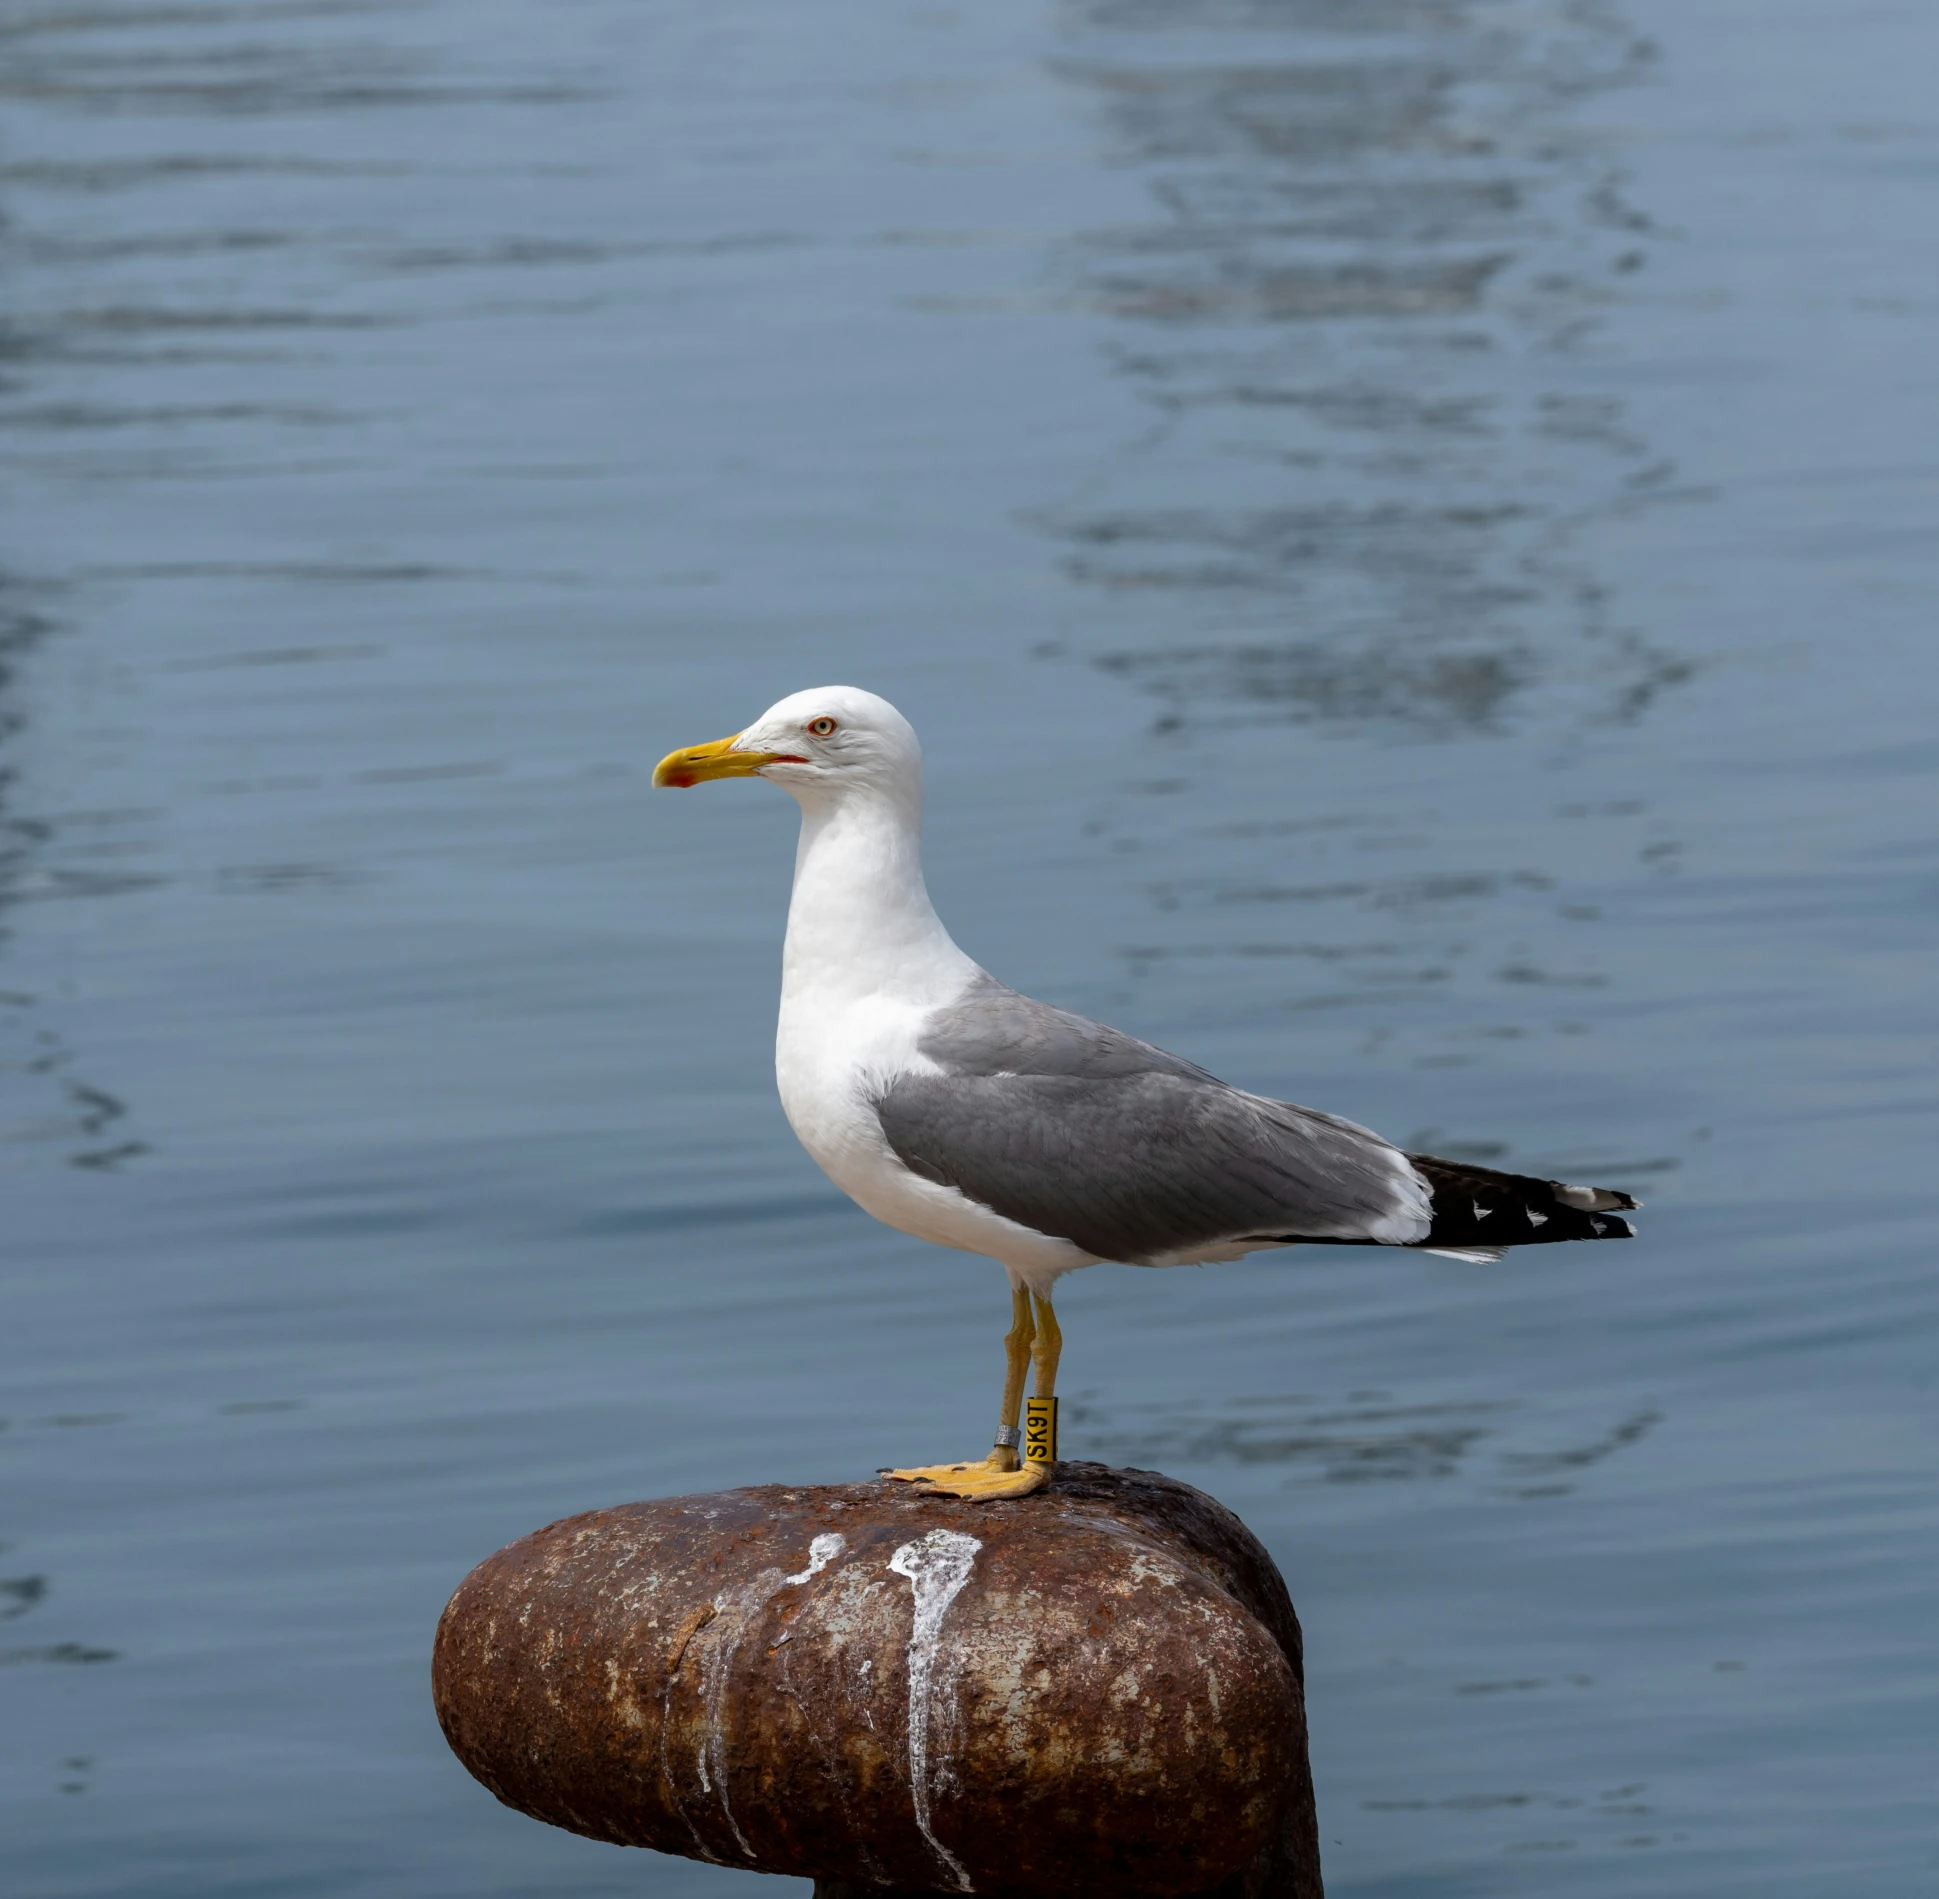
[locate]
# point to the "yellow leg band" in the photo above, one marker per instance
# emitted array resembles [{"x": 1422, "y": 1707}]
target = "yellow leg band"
[
  {"x": 1040, "y": 1411},
  {"x": 1040, "y": 1430}
]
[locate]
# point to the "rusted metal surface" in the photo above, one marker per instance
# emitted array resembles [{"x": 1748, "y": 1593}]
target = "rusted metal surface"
[{"x": 1095, "y": 1689}]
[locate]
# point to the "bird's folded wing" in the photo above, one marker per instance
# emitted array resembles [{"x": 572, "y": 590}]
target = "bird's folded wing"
[{"x": 1076, "y": 1130}]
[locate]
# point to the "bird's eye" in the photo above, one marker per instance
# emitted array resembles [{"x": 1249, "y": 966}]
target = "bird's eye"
[{"x": 822, "y": 728}]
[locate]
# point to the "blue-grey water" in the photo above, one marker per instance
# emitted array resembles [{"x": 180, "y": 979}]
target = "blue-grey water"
[{"x": 1408, "y": 529}]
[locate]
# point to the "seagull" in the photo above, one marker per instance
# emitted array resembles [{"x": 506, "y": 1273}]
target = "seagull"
[{"x": 958, "y": 1111}]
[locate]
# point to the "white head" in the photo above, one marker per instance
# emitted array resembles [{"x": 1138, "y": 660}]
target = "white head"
[{"x": 823, "y": 746}]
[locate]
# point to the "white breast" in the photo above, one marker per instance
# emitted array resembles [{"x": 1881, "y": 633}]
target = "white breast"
[
  {"x": 867, "y": 961},
  {"x": 833, "y": 1058}
]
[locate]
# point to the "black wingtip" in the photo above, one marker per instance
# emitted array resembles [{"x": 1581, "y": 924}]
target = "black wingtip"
[
  {"x": 1593, "y": 1199},
  {"x": 1475, "y": 1207}
]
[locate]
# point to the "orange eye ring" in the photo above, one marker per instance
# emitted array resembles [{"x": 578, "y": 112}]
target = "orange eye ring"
[{"x": 821, "y": 728}]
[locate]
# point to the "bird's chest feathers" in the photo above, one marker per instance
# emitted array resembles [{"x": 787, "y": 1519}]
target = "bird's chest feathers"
[
  {"x": 865, "y": 963},
  {"x": 832, "y": 1058},
  {"x": 833, "y": 1061}
]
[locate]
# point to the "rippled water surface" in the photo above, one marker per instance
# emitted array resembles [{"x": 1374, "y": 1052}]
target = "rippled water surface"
[{"x": 1407, "y": 527}]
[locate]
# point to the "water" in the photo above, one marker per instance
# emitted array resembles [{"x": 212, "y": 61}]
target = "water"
[{"x": 1407, "y": 529}]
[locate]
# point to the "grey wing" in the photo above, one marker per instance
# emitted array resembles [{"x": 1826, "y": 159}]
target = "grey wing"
[{"x": 1076, "y": 1130}]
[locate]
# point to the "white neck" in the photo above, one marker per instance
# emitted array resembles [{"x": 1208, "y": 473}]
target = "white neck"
[{"x": 860, "y": 922}]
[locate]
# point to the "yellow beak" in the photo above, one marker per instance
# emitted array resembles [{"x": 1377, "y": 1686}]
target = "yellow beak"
[{"x": 695, "y": 764}]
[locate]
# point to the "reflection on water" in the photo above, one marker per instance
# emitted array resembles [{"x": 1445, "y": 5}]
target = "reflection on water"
[
  {"x": 55, "y": 1652},
  {"x": 43, "y": 1096},
  {"x": 20, "y": 1593},
  {"x": 1400, "y": 505},
  {"x": 18, "y": 1596},
  {"x": 1350, "y": 1446},
  {"x": 1351, "y": 1443},
  {"x": 1405, "y": 527}
]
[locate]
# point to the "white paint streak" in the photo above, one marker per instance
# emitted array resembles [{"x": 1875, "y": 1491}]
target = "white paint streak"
[
  {"x": 821, "y": 1552},
  {"x": 937, "y": 1566},
  {"x": 716, "y": 1669}
]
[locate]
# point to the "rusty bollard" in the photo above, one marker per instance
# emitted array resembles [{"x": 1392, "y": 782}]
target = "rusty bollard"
[{"x": 1092, "y": 1690}]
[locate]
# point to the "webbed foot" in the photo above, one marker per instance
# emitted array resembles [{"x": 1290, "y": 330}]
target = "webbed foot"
[{"x": 982, "y": 1481}]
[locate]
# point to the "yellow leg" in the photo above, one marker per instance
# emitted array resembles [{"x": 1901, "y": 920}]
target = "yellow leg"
[
  {"x": 1016, "y": 1360},
  {"x": 1002, "y": 1474},
  {"x": 1049, "y": 1348}
]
